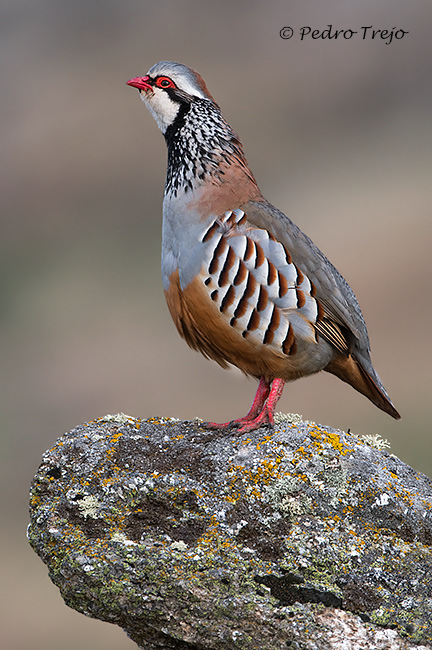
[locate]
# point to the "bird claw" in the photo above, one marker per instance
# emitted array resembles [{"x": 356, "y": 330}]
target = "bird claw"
[
  {"x": 225, "y": 426},
  {"x": 243, "y": 425}
]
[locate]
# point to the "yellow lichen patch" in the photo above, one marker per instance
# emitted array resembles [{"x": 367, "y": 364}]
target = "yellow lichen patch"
[
  {"x": 160, "y": 421},
  {"x": 250, "y": 481},
  {"x": 321, "y": 437},
  {"x": 263, "y": 441},
  {"x": 211, "y": 535},
  {"x": 319, "y": 440},
  {"x": 301, "y": 454},
  {"x": 113, "y": 441}
]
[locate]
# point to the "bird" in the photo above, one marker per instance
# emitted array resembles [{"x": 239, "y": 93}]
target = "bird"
[{"x": 244, "y": 285}]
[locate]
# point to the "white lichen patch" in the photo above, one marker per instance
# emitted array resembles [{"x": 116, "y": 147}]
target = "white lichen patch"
[
  {"x": 375, "y": 441},
  {"x": 286, "y": 496},
  {"x": 289, "y": 418},
  {"x": 179, "y": 546},
  {"x": 89, "y": 506},
  {"x": 382, "y": 500},
  {"x": 118, "y": 418}
]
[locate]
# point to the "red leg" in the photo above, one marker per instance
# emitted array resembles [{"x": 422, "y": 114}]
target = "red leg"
[
  {"x": 257, "y": 406},
  {"x": 262, "y": 409},
  {"x": 266, "y": 415}
]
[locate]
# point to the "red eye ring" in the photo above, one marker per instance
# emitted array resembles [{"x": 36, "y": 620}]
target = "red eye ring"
[{"x": 164, "y": 82}]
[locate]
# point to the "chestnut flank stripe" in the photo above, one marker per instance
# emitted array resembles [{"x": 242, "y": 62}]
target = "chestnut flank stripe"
[
  {"x": 228, "y": 299},
  {"x": 260, "y": 257},
  {"x": 288, "y": 344},
  {"x": 301, "y": 300},
  {"x": 211, "y": 231},
  {"x": 262, "y": 299},
  {"x": 283, "y": 285},
  {"x": 229, "y": 263},
  {"x": 250, "y": 249},
  {"x": 254, "y": 321},
  {"x": 241, "y": 274},
  {"x": 220, "y": 248}
]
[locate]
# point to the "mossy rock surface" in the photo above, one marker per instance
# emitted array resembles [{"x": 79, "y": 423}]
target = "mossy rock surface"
[{"x": 298, "y": 537}]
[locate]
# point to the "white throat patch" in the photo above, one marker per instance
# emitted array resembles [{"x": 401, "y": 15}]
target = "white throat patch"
[{"x": 162, "y": 107}]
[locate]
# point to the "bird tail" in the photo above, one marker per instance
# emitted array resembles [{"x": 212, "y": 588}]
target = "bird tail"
[{"x": 350, "y": 369}]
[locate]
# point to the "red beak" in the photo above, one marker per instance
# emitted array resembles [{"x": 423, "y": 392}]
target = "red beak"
[{"x": 140, "y": 82}]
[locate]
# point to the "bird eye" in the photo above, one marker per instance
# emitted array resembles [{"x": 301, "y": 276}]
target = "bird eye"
[{"x": 165, "y": 82}]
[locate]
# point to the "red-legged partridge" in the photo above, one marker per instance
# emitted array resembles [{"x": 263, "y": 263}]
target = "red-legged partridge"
[{"x": 244, "y": 285}]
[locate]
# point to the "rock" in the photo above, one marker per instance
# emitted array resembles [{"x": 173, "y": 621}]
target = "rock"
[{"x": 300, "y": 537}]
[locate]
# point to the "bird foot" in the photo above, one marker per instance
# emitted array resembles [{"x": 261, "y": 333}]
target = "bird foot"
[
  {"x": 244, "y": 425},
  {"x": 261, "y": 412}
]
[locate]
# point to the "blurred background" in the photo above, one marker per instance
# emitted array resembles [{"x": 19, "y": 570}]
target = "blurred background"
[{"x": 338, "y": 134}]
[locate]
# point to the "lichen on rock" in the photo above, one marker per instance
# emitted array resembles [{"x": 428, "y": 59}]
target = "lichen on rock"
[{"x": 301, "y": 536}]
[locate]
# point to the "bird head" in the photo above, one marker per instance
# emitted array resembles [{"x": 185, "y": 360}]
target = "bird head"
[{"x": 167, "y": 88}]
